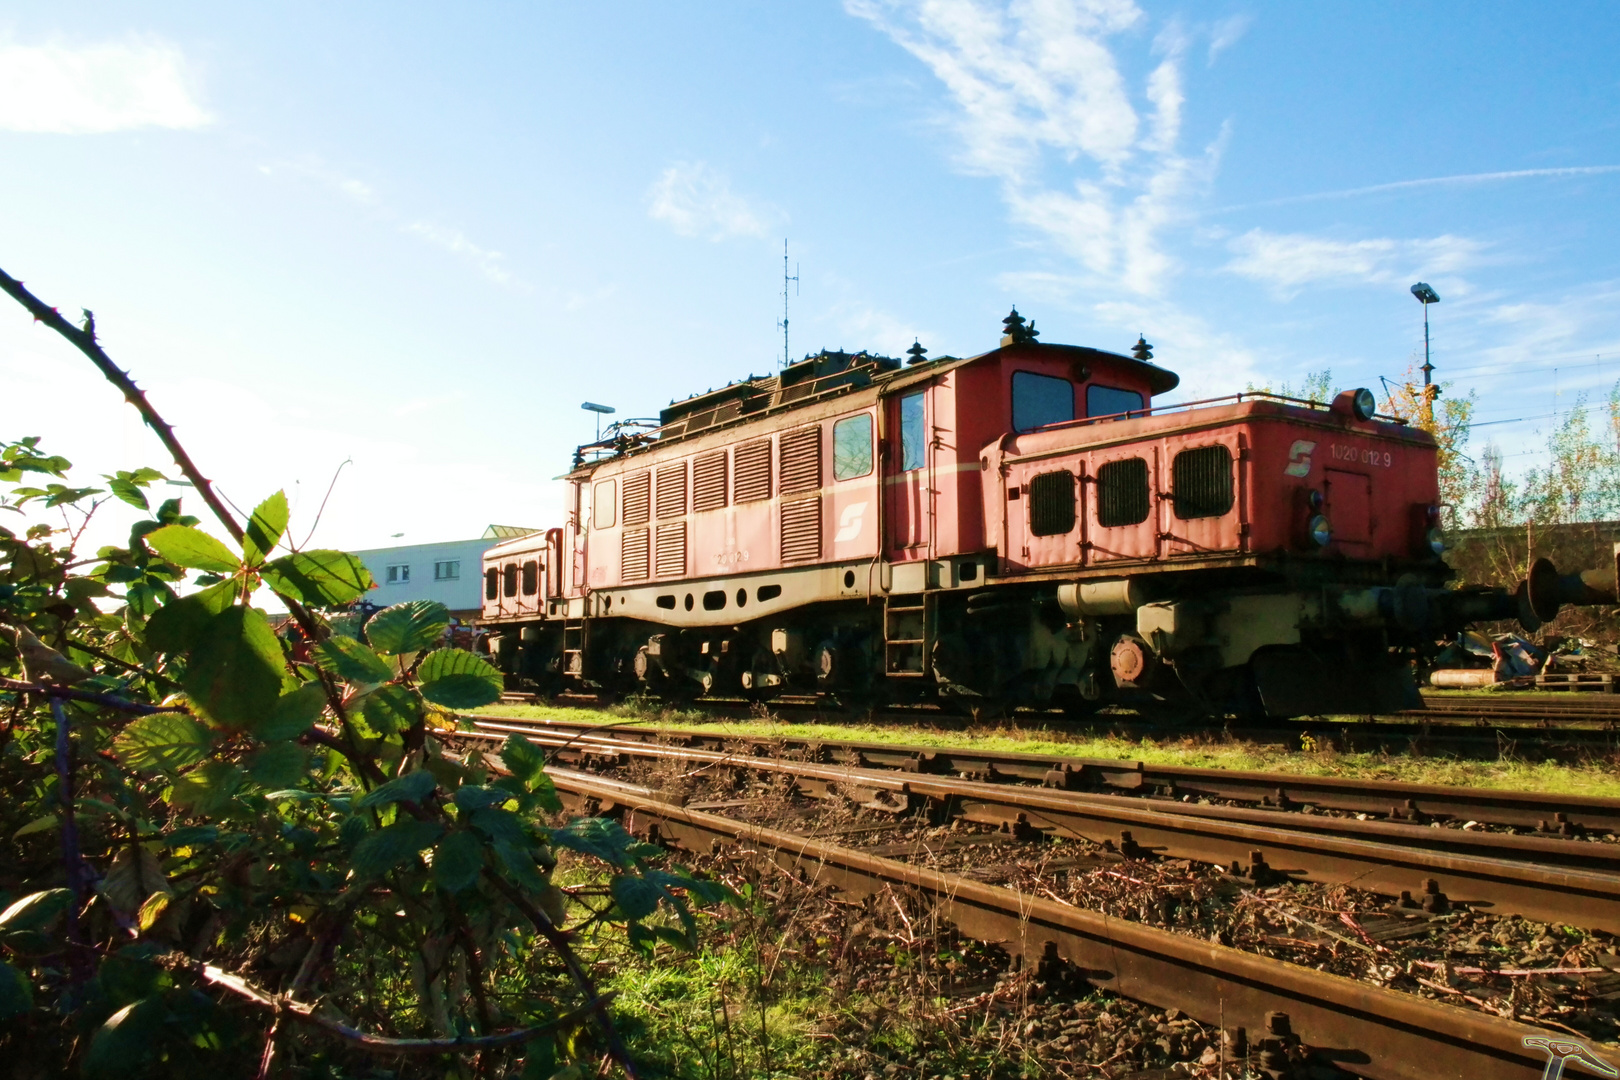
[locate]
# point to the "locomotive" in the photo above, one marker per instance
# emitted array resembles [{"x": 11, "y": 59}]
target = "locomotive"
[{"x": 1020, "y": 528}]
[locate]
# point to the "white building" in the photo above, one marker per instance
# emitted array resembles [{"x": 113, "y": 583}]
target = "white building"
[{"x": 448, "y": 572}]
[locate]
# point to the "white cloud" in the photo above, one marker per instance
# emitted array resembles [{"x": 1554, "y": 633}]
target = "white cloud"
[
  {"x": 695, "y": 200},
  {"x": 141, "y": 83},
  {"x": 1288, "y": 261},
  {"x": 1226, "y": 33},
  {"x": 312, "y": 168},
  {"x": 489, "y": 263},
  {"x": 1035, "y": 87}
]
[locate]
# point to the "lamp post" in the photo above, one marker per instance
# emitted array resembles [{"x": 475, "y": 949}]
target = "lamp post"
[
  {"x": 599, "y": 410},
  {"x": 1426, "y": 296}
]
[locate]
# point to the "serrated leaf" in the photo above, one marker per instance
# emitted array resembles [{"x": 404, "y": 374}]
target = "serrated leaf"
[
  {"x": 598, "y": 837},
  {"x": 163, "y": 742},
  {"x": 120, "y": 1046},
  {"x": 318, "y": 577},
  {"x": 351, "y": 661},
  {"x": 279, "y": 765},
  {"x": 191, "y": 836},
  {"x": 180, "y": 625},
  {"x": 152, "y": 911},
  {"x": 471, "y": 797},
  {"x": 636, "y": 896},
  {"x": 499, "y": 825},
  {"x": 390, "y": 847},
  {"x": 412, "y": 787},
  {"x": 234, "y": 673},
  {"x": 458, "y": 679},
  {"x": 390, "y": 709},
  {"x": 135, "y": 874},
  {"x": 457, "y": 861},
  {"x": 408, "y": 627},
  {"x": 295, "y": 713},
  {"x": 522, "y": 758},
  {"x": 129, "y": 493},
  {"x": 35, "y": 912},
  {"x": 207, "y": 788},
  {"x": 520, "y": 866},
  {"x": 16, "y": 996},
  {"x": 264, "y": 529},
  {"x": 193, "y": 549}
]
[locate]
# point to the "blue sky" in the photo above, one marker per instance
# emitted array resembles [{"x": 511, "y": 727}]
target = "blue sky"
[{"x": 418, "y": 238}]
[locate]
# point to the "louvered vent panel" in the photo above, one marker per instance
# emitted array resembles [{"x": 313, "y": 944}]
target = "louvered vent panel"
[
  {"x": 1201, "y": 482},
  {"x": 1051, "y": 503},
  {"x": 671, "y": 545},
  {"x": 633, "y": 555},
  {"x": 801, "y": 460},
  {"x": 671, "y": 490},
  {"x": 801, "y": 530},
  {"x": 638, "y": 498},
  {"x": 753, "y": 468},
  {"x": 1122, "y": 492},
  {"x": 709, "y": 481}
]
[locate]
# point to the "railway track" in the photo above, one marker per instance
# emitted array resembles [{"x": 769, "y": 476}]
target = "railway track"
[{"x": 1280, "y": 1017}]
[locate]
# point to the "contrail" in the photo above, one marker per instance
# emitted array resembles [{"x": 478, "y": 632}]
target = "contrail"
[{"x": 1435, "y": 181}]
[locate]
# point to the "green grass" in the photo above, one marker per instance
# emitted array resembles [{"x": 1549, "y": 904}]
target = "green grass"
[{"x": 1592, "y": 778}]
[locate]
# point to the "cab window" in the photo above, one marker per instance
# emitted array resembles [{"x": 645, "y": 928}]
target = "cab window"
[
  {"x": 1108, "y": 400},
  {"x": 852, "y": 447},
  {"x": 1038, "y": 400},
  {"x": 603, "y": 499},
  {"x": 913, "y": 433}
]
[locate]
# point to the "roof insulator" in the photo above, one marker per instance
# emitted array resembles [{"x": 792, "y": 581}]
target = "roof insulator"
[
  {"x": 1143, "y": 351},
  {"x": 918, "y": 354},
  {"x": 1017, "y": 332}
]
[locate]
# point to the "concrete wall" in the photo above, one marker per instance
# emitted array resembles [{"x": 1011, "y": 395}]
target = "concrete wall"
[{"x": 462, "y": 594}]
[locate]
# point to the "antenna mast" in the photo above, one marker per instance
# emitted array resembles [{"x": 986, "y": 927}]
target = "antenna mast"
[{"x": 785, "y": 279}]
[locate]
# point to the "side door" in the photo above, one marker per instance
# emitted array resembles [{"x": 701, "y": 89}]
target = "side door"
[{"x": 906, "y": 479}]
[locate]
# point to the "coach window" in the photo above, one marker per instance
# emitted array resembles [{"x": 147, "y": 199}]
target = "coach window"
[
  {"x": 492, "y": 586},
  {"x": 603, "y": 498},
  {"x": 913, "y": 433},
  {"x": 852, "y": 447},
  {"x": 1108, "y": 400},
  {"x": 509, "y": 574},
  {"x": 531, "y": 578},
  {"x": 1038, "y": 400}
]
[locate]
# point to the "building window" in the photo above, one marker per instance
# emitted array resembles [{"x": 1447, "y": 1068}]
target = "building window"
[
  {"x": 448, "y": 570},
  {"x": 852, "y": 447},
  {"x": 1109, "y": 400},
  {"x": 1038, "y": 400},
  {"x": 399, "y": 574},
  {"x": 913, "y": 433}
]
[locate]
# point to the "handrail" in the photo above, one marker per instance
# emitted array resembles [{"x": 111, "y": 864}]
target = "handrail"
[{"x": 1237, "y": 398}]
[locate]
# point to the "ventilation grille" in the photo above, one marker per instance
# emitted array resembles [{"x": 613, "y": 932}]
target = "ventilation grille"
[
  {"x": 709, "y": 481},
  {"x": 801, "y": 460},
  {"x": 753, "y": 468},
  {"x": 801, "y": 530},
  {"x": 672, "y": 549},
  {"x": 1122, "y": 492},
  {"x": 1051, "y": 503},
  {"x": 671, "y": 488},
  {"x": 638, "y": 498},
  {"x": 633, "y": 555},
  {"x": 1201, "y": 482}
]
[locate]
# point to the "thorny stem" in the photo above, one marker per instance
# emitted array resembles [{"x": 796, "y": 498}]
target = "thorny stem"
[
  {"x": 71, "y": 861},
  {"x": 107, "y": 701}
]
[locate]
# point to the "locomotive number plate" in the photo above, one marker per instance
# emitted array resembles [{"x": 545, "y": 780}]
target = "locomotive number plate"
[{"x": 1365, "y": 455}]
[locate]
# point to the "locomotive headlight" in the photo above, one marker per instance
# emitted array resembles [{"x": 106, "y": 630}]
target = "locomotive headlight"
[
  {"x": 1315, "y": 500},
  {"x": 1436, "y": 541},
  {"x": 1364, "y": 404},
  {"x": 1321, "y": 532}
]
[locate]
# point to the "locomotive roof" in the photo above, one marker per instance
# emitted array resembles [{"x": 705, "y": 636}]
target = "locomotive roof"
[{"x": 830, "y": 374}]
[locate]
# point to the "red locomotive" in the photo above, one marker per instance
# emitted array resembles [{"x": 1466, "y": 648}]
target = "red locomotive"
[{"x": 1022, "y": 527}]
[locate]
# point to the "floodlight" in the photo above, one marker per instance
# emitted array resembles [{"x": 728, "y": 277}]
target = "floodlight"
[{"x": 1425, "y": 294}]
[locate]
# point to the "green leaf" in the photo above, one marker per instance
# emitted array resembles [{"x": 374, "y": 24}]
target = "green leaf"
[
  {"x": 522, "y": 758},
  {"x": 129, "y": 493},
  {"x": 470, "y": 797},
  {"x": 387, "y": 848},
  {"x": 35, "y": 912},
  {"x": 598, "y": 837},
  {"x": 179, "y": 625},
  {"x": 520, "y": 866},
  {"x": 412, "y": 787},
  {"x": 39, "y": 824},
  {"x": 264, "y": 529},
  {"x": 279, "y": 765},
  {"x": 458, "y": 679},
  {"x": 16, "y": 996},
  {"x": 191, "y": 836},
  {"x": 207, "y": 788},
  {"x": 193, "y": 549},
  {"x": 457, "y": 861},
  {"x": 351, "y": 661},
  {"x": 234, "y": 673},
  {"x": 390, "y": 709},
  {"x": 121, "y": 1045},
  {"x": 499, "y": 825},
  {"x": 636, "y": 896},
  {"x": 318, "y": 577},
  {"x": 295, "y": 713},
  {"x": 163, "y": 742},
  {"x": 408, "y": 627}
]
